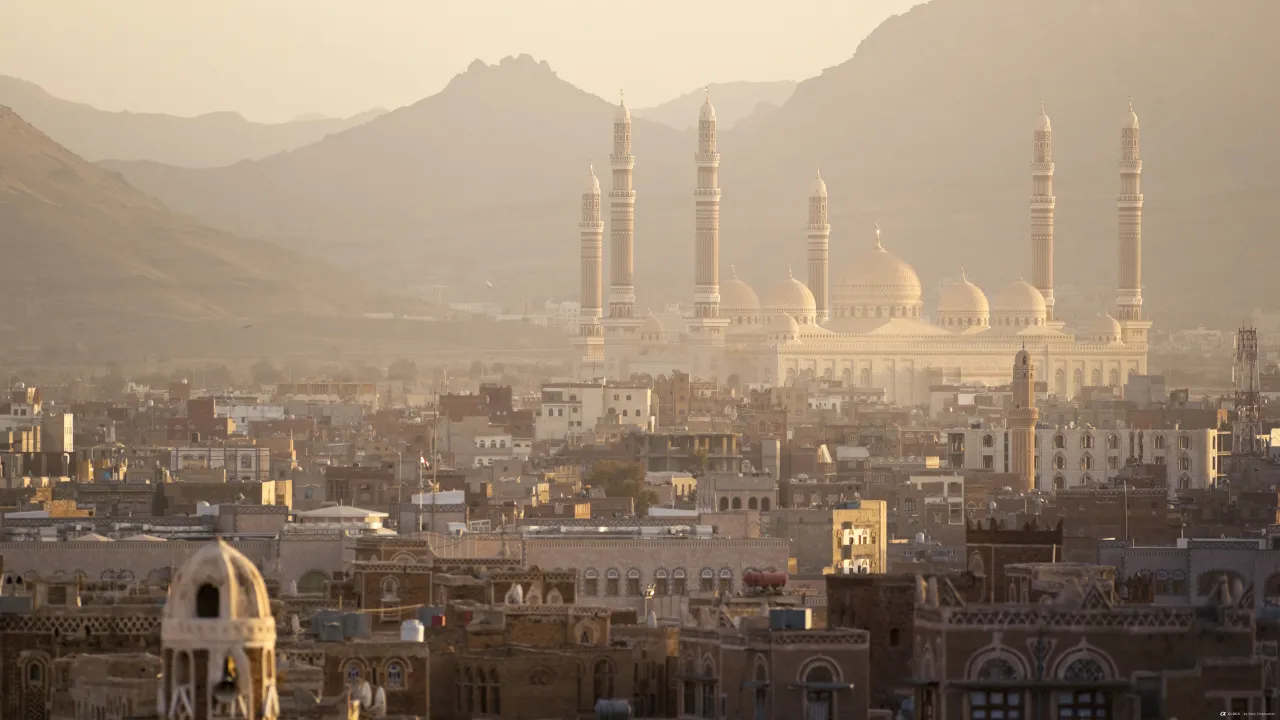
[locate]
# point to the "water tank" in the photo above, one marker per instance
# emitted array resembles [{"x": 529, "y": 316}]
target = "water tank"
[
  {"x": 613, "y": 709},
  {"x": 357, "y": 625},
  {"x": 412, "y": 631},
  {"x": 760, "y": 579}
]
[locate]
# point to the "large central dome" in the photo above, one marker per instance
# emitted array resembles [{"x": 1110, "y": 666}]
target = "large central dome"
[{"x": 878, "y": 284}]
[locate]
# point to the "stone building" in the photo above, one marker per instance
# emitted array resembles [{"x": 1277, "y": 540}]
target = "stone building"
[
  {"x": 847, "y": 539},
  {"x": 992, "y": 548}
]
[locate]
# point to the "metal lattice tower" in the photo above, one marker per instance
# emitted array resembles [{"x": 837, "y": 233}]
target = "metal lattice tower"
[{"x": 1248, "y": 385}]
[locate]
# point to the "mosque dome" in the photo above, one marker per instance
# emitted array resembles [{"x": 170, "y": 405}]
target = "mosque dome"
[
  {"x": 783, "y": 328},
  {"x": 962, "y": 305},
  {"x": 1019, "y": 305},
  {"x": 708, "y": 111},
  {"x": 1044, "y": 124},
  {"x": 623, "y": 113},
  {"x": 793, "y": 298},
  {"x": 593, "y": 183},
  {"x": 1131, "y": 117},
  {"x": 878, "y": 284},
  {"x": 217, "y": 583},
  {"x": 737, "y": 298},
  {"x": 1105, "y": 329},
  {"x": 819, "y": 188},
  {"x": 652, "y": 329}
]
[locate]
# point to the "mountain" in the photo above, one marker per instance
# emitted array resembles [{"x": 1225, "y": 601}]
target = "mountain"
[
  {"x": 490, "y": 167},
  {"x": 89, "y": 256},
  {"x": 209, "y": 140},
  {"x": 926, "y": 130},
  {"x": 734, "y": 101}
]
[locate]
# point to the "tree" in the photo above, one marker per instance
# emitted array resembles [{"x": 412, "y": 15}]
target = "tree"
[
  {"x": 403, "y": 370},
  {"x": 623, "y": 480},
  {"x": 698, "y": 462},
  {"x": 264, "y": 373},
  {"x": 477, "y": 369}
]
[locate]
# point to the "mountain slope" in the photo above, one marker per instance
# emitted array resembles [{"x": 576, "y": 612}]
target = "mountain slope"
[
  {"x": 734, "y": 101},
  {"x": 209, "y": 140},
  {"x": 86, "y": 249},
  {"x": 927, "y": 130}
]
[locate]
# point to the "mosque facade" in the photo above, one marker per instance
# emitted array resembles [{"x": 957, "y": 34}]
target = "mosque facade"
[{"x": 867, "y": 326}]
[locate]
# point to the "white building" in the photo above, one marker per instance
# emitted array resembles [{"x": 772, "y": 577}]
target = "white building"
[
  {"x": 1076, "y": 457},
  {"x": 246, "y": 463},
  {"x": 564, "y": 314},
  {"x": 867, "y": 325},
  {"x": 245, "y": 413},
  {"x": 574, "y": 408}
]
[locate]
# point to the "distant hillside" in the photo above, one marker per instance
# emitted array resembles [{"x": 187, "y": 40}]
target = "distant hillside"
[
  {"x": 87, "y": 255},
  {"x": 734, "y": 101},
  {"x": 927, "y": 130},
  {"x": 206, "y": 141}
]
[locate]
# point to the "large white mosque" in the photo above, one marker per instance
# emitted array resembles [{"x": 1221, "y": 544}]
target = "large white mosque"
[{"x": 869, "y": 327}]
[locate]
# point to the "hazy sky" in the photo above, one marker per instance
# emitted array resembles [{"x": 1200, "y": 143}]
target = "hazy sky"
[{"x": 274, "y": 59}]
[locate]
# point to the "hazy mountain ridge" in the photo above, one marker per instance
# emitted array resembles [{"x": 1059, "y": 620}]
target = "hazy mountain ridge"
[
  {"x": 927, "y": 130},
  {"x": 96, "y": 255},
  {"x": 734, "y": 102},
  {"x": 209, "y": 140}
]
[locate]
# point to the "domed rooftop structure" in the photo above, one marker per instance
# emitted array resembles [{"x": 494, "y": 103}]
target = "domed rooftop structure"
[
  {"x": 819, "y": 188},
  {"x": 623, "y": 113},
  {"x": 1044, "y": 124},
  {"x": 1105, "y": 329},
  {"x": 878, "y": 284},
  {"x": 593, "y": 183},
  {"x": 963, "y": 305},
  {"x": 652, "y": 329},
  {"x": 793, "y": 298},
  {"x": 708, "y": 111},
  {"x": 1131, "y": 117},
  {"x": 739, "y": 303},
  {"x": 1019, "y": 305},
  {"x": 783, "y": 328},
  {"x": 219, "y": 584}
]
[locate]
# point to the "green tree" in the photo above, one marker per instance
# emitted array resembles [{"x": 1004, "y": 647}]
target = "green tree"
[
  {"x": 623, "y": 480},
  {"x": 477, "y": 369},
  {"x": 403, "y": 370}
]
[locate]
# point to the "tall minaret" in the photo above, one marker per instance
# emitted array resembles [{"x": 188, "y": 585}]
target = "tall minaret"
[
  {"x": 706, "y": 199},
  {"x": 590, "y": 333},
  {"x": 1129, "y": 207},
  {"x": 819, "y": 246},
  {"x": 1022, "y": 422},
  {"x": 1042, "y": 202},
  {"x": 622, "y": 219}
]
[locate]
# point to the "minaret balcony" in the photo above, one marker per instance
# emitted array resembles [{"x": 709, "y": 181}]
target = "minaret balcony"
[
  {"x": 622, "y": 194},
  {"x": 1043, "y": 168},
  {"x": 707, "y": 192}
]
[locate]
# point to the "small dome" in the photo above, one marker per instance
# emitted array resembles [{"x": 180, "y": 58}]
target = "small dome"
[
  {"x": 737, "y": 298},
  {"x": 793, "y": 298},
  {"x": 963, "y": 297},
  {"x": 593, "y": 183},
  {"x": 652, "y": 324},
  {"x": 1131, "y": 118},
  {"x": 1105, "y": 329},
  {"x": 1043, "y": 125},
  {"x": 217, "y": 583},
  {"x": 708, "y": 111},
  {"x": 819, "y": 188},
  {"x": 783, "y": 325},
  {"x": 1020, "y": 297},
  {"x": 623, "y": 113}
]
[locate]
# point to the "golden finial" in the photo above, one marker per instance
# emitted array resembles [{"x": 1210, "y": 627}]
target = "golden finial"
[
  {"x": 733, "y": 272},
  {"x": 707, "y": 89},
  {"x": 963, "y": 277},
  {"x": 878, "y": 243},
  {"x": 622, "y": 97},
  {"x": 819, "y": 173},
  {"x": 1130, "y": 103},
  {"x": 789, "y": 275},
  {"x": 1041, "y": 104}
]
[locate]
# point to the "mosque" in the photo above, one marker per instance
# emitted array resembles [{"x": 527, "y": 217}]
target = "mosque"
[{"x": 869, "y": 327}]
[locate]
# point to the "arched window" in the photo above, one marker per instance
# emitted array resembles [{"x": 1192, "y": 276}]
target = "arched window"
[
  {"x": 680, "y": 584},
  {"x": 633, "y": 582},
  {"x": 1085, "y": 670},
  {"x": 313, "y": 582},
  {"x": 724, "y": 504},
  {"x": 660, "y": 585},
  {"x": 997, "y": 669},
  {"x": 708, "y": 580},
  {"x": 1059, "y": 442},
  {"x": 753, "y": 504},
  {"x": 1059, "y": 462},
  {"x": 737, "y": 503},
  {"x": 481, "y": 691},
  {"x": 35, "y": 673},
  {"x": 590, "y": 583},
  {"x": 1159, "y": 442},
  {"x": 353, "y": 673},
  {"x": 395, "y": 675},
  {"x": 611, "y": 583},
  {"x": 1086, "y": 462},
  {"x": 764, "y": 504},
  {"x": 1086, "y": 441},
  {"x": 390, "y": 588},
  {"x": 602, "y": 680},
  {"x": 819, "y": 697},
  {"x": 495, "y": 692},
  {"x": 1184, "y": 463},
  {"x": 208, "y": 601},
  {"x": 988, "y": 440},
  {"x": 726, "y": 581}
]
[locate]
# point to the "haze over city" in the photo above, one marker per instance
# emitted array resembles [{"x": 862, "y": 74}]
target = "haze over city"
[{"x": 568, "y": 360}]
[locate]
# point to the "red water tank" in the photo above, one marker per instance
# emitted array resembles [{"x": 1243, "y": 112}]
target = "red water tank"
[{"x": 759, "y": 579}]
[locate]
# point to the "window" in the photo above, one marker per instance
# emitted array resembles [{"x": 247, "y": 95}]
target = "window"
[
  {"x": 708, "y": 581},
  {"x": 1059, "y": 462},
  {"x": 819, "y": 697},
  {"x": 1184, "y": 443},
  {"x": 988, "y": 462},
  {"x": 395, "y": 674},
  {"x": 895, "y": 637},
  {"x": 590, "y": 583},
  {"x": 611, "y": 583},
  {"x": 1086, "y": 462},
  {"x": 1184, "y": 463},
  {"x": 633, "y": 582},
  {"x": 208, "y": 602},
  {"x": 726, "y": 581},
  {"x": 390, "y": 586},
  {"x": 353, "y": 674},
  {"x": 1159, "y": 442},
  {"x": 1084, "y": 704},
  {"x": 995, "y": 705},
  {"x": 602, "y": 680},
  {"x": 988, "y": 441},
  {"x": 660, "y": 583},
  {"x": 680, "y": 585},
  {"x": 1059, "y": 442},
  {"x": 1084, "y": 670},
  {"x": 35, "y": 673},
  {"x": 909, "y": 505}
]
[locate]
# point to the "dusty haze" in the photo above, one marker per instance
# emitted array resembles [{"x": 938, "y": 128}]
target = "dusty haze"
[{"x": 273, "y": 61}]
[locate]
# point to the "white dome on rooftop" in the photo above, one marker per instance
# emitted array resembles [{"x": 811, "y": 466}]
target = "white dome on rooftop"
[{"x": 793, "y": 298}]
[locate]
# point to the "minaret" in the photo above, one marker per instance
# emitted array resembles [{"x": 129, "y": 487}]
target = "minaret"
[
  {"x": 819, "y": 233},
  {"x": 1129, "y": 208},
  {"x": 590, "y": 333},
  {"x": 706, "y": 199},
  {"x": 1042, "y": 202},
  {"x": 622, "y": 218},
  {"x": 706, "y": 327},
  {"x": 1022, "y": 422}
]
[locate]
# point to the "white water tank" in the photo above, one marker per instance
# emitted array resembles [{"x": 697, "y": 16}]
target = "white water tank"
[{"x": 412, "y": 631}]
